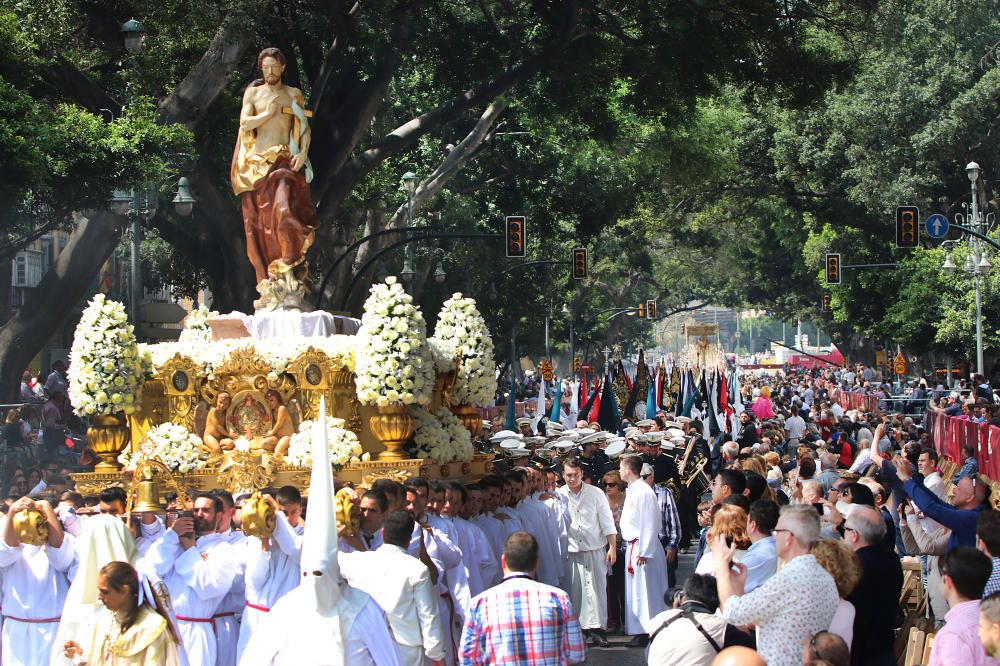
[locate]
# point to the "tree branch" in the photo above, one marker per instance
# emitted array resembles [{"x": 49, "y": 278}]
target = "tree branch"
[
  {"x": 8, "y": 250},
  {"x": 427, "y": 189},
  {"x": 340, "y": 181},
  {"x": 74, "y": 84},
  {"x": 208, "y": 78},
  {"x": 334, "y": 55}
]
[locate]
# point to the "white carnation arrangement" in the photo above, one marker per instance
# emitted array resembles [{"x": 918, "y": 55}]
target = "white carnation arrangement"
[
  {"x": 174, "y": 445},
  {"x": 462, "y": 328},
  {"x": 106, "y": 369},
  {"x": 196, "y": 328},
  {"x": 345, "y": 448},
  {"x": 440, "y": 436},
  {"x": 442, "y": 354},
  {"x": 393, "y": 360}
]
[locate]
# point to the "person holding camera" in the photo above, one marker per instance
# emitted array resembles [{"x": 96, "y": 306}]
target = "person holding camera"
[{"x": 198, "y": 565}]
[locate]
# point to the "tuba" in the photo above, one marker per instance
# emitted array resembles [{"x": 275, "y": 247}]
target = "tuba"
[
  {"x": 31, "y": 526},
  {"x": 258, "y": 516}
]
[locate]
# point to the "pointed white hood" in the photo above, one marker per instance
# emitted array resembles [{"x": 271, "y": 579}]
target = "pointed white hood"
[{"x": 319, "y": 546}]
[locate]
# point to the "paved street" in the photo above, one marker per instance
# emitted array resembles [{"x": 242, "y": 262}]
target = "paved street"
[{"x": 619, "y": 655}]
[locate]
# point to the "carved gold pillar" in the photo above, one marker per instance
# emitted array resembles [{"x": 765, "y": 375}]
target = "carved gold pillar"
[
  {"x": 180, "y": 383},
  {"x": 311, "y": 370},
  {"x": 153, "y": 410}
]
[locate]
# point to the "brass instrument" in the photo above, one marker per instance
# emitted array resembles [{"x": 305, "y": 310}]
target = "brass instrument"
[
  {"x": 31, "y": 526},
  {"x": 258, "y": 516},
  {"x": 347, "y": 514}
]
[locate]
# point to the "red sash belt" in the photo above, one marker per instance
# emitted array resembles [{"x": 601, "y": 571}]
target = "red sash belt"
[
  {"x": 32, "y": 621},
  {"x": 631, "y": 550},
  {"x": 202, "y": 620},
  {"x": 227, "y": 614},
  {"x": 262, "y": 609}
]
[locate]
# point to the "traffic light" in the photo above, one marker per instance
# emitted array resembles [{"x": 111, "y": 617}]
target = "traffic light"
[
  {"x": 577, "y": 364},
  {"x": 833, "y": 268},
  {"x": 517, "y": 239},
  {"x": 642, "y": 310},
  {"x": 651, "y": 309},
  {"x": 580, "y": 263},
  {"x": 827, "y": 303},
  {"x": 907, "y": 226}
]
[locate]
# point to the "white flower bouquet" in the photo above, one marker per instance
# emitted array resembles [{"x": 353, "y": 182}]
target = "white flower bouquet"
[
  {"x": 344, "y": 445},
  {"x": 393, "y": 360},
  {"x": 106, "y": 370},
  {"x": 174, "y": 445},
  {"x": 462, "y": 328},
  {"x": 197, "y": 329},
  {"x": 440, "y": 436}
]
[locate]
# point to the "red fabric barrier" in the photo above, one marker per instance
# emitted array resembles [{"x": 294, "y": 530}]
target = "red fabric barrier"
[{"x": 950, "y": 434}]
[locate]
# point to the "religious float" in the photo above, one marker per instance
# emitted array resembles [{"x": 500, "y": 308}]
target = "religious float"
[
  {"x": 235, "y": 402},
  {"x": 210, "y": 409}
]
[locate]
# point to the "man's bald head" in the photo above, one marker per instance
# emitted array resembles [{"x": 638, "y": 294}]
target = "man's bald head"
[
  {"x": 867, "y": 526},
  {"x": 738, "y": 656}
]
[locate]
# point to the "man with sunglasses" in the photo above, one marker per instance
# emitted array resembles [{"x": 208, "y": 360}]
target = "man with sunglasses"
[{"x": 790, "y": 606}]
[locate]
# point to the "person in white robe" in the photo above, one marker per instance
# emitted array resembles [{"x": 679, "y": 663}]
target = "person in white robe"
[
  {"x": 34, "y": 588},
  {"x": 226, "y": 618},
  {"x": 324, "y": 621},
  {"x": 198, "y": 566},
  {"x": 536, "y": 520},
  {"x": 478, "y": 514},
  {"x": 506, "y": 512},
  {"x": 645, "y": 563},
  {"x": 150, "y": 529},
  {"x": 593, "y": 541},
  {"x": 481, "y": 565},
  {"x": 450, "y": 582},
  {"x": 272, "y": 571},
  {"x": 401, "y": 585}
]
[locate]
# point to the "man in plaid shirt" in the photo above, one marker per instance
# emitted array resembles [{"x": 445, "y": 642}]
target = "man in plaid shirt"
[
  {"x": 521, "y": 621},
  {"x": 670, "y": 522}
]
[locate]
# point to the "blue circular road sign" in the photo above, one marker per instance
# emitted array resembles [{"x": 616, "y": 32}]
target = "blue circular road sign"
[{"x": 937, "y": 225}]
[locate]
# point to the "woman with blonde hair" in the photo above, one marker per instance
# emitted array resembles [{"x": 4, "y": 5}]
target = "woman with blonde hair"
[
  {"x": 731, "y": 522},
  {"x": 754, "y": 463},
  {"x": 845, "y": 567},
  {"x": 135, "y": 628}
]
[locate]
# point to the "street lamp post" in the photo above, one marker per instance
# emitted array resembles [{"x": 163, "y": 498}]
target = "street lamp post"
[
  {"x": 140, "y": 208},
  {"x": 409, "y": 272},
  {"x": 977, "y": 258}
]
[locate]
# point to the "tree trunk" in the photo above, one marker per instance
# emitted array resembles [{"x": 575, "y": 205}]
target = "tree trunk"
[{"x": 54, "y": 301}]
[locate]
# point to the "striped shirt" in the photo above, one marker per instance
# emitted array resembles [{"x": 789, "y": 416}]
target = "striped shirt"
[
  {"x": 521, "y": 621},
  {"x": 670, "y": 522}
]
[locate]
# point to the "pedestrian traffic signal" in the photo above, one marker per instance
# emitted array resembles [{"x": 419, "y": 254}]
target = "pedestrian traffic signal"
[
  {"x": 651, "y": 308},
  {"x": 517, "y": 239},
  {"x": 833, "y": 268},
  {"x": 907, "y": 229},
  {"x": 577, "y": 364},
  {"x": 827, "y": 303},
  {"x": 642, "y": 310},
  {"x": 580, "y": 263}
]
